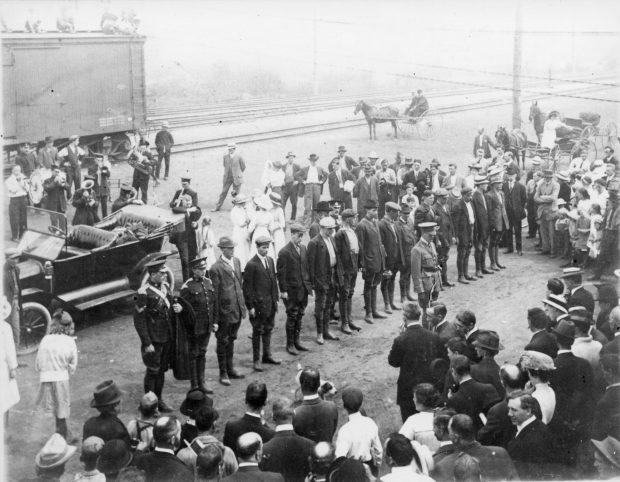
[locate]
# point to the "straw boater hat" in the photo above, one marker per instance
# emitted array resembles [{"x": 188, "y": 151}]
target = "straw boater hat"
[
  {"x": 240, "y": 199},
  {"x": 263, "y": 202},
  {"x": 556, "y": 301},
  {"x": 275, "y": 198},
  {"x": 535, "y": 360}
]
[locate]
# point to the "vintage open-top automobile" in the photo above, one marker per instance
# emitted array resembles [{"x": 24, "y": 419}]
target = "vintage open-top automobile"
[{"x": 80, "y": 267}]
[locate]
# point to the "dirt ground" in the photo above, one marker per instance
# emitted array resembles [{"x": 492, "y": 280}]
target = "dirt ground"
[{"x": 109, "y": 346}]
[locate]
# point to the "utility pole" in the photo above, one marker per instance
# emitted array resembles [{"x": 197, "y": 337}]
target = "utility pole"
[
  {"x": 315, "y": 77},
  {"x": 516, "y": 67}
]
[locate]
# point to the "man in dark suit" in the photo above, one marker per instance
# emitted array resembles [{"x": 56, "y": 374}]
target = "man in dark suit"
[
  {"x": 394, "y": 256},
  {"x": 161, "y": 465},
  {"x": 230, "y": 309},
  {"x": 494, "y": 462},
  {"x": 484, "y": 142},
  {"x": 441, "y": 419},
  {"x": 532, "y": 449},
  {"x": 336, "y": 181},
  {"x": 371, "y": 259},
  {"x": 100, "y": 172},
  {"x": 291, "y": 184},
  {"x": 417, "y": 177},
  {"x": 516, "y": 198},
  {"x": 413, "y": 351},
  {"x": 56, "y": 192},
  {"x": 498, "y": 429},
  {"x": 347, "y": 251},
  {"x": 481, "y": 227},
  {"x": 464, "y": 227},
  {"x": 425, "y": 212},
  {"x": 445, "y": 234},
  {"x": 542, "y": 340},
  {"x": 287, "y": 453},
  {"x": 574, "y": 387},
  {"x": 185, "y": 240},
  {"x": 295, "y": 286},
  {"x": 487, "y": 346},
  {"x": 163, "y": 142},
  {"x": 346, "y": 161},
  {"x": 255, "y": 398},
  {"x": 472, "y": 397},
  {"x": 607, "y": 417},
  {"x": 314, "y": 419},
  {"x": 250, "y": 453},
  {"x": 498, "y": 220},
  {"x": 234, "y": 166},
  {"x": 324, "y": 271},
  {"x": 260, "y": 291},
  {"x": 436, "y": 177},
  {"x": 366, "y": 190},
  {"x": 185, "y": 189},
  {"x": 312, "y": 178}
]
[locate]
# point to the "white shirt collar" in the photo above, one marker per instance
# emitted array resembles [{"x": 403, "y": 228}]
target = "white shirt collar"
[
  {"x": 255, "y": 415},
  {"x": 474, "y": 329},
  {"x": 161, "y": 449},
  {"x": 443, "y": 322},
  {"x": 525, "y": 424},
  {"x": 311, "y": 397},
  {"x": 284, "y": 427},
  {"x": 444, "y": 443},
  {"x": 564, "y": 351},
  {"x": 248, "y": 464}
]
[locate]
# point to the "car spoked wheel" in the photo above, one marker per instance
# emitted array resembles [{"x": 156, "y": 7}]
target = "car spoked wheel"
[{"x": 35, "y": 324}]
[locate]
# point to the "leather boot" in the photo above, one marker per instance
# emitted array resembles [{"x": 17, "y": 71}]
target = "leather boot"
[
  {"x": 319, "y": 331},
  {"x": 408, "y": 289},
  {"x": 200, "y": 372},
  {"x": 256, "y": 352},
  {"x": 483, "y": 264},
  {"x": 368, "y": 306},
  {"x": 296, "y": 341},
  {"x": 373, "y": 305},
  {"x": 386, "y": 297},
  {"x": 393, "y": 305},
  {"x": 349, "y": 307},
  {"x": 159, "y": 387},
  {"x": 232, "y": 373},
  {"x": 344, "y": 318},
  {"x": 403, "y": 293},
  {"x": 193, "y": 373},
  {"x": 493, "y": 265},
  {"x": 466, "y": 269},
  {"x": 478, "y": 265},
  {"x": 344, "y": 327},
  {"x": 496, "y": 249},
  {"x": 290, "y": 338},
  {"x": 221, "y": 362},
  {"x": 149, "y": 382},
  {"x": 267, "y": 356}
]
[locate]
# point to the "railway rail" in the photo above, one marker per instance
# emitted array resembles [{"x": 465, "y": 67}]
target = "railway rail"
[{"x": 344, "y": 124}]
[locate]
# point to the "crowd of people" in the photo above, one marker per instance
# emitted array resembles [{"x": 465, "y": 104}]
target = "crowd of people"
[{"x": 462, "y": 415}]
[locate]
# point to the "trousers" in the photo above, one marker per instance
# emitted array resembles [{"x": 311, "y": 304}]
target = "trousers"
[
  {"x": 225, "y": 188},
  {"x": 162, "y": 154},
  {"x": 17, "y": 216},
  {"x": 312, "y": 196},
  {"x": 289, "y": 191}
]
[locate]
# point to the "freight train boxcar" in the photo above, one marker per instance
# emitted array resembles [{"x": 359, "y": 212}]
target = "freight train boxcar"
[{"x": 87, "y": 84}]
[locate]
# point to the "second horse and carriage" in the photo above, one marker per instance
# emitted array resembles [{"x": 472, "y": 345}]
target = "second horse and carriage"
[{"x": 566, "y": 139}]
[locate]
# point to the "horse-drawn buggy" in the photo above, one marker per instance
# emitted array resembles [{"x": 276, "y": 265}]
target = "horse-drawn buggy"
[
  {"x": 81, "y": 267},
  {"x": 424, "y": 125}
]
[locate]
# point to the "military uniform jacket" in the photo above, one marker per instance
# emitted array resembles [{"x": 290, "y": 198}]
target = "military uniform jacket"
[
  {"x": 152, "y": 316},
  {"x": 229, "y": 301},
  {"x": 372, "y": 255},
  {"x": 424, "y": 267},
  {"x": 406, "y": 235},
  {"x": 189, "y": 192},
  {"x": 394, "y": 257},
  {"x": 200, "y": 296},
  {"x": 292, "y": 272}
]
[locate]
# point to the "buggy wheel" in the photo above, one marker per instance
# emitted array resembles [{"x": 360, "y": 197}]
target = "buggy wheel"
[
  {"x": 407, "y": 126},
  {"x": 429, "y": 127},
  {"x": 169, "y": 277},
  {"x": 34, "y": 324},
  {"x": 589, "y": 132}
]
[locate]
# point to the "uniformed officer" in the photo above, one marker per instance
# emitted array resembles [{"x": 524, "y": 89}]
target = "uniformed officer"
[
  {"x": 153, "y": 321},
  {"x": 199, "y": 317},
  {"x": 425, "y": 270}
]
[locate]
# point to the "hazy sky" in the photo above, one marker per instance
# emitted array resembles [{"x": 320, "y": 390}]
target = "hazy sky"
[{"x": 380, "y": 38}]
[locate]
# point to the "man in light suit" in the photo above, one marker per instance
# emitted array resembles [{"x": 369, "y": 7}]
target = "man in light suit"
[
  {"x": 260, "y": 290},
  {"x": 546, "y": 198},
  {"x": 289, "y": 190},
  {"x": 336, "y": 179},
  {"x": 366, "y": 189},
  {"x": 312, "y": 178},
  {"x": 295, "y": 286},
  {"x": 234, "y": 166},
  {"x": 230, "y": 309},
  {"x": 484, "y": 142}
]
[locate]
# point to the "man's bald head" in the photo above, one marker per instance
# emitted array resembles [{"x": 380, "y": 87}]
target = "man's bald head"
[
  {"x": 322, "y": 457},
  {"x": 249, "y": 445},
  {"x": 165, "y": 430},
  {"x": 510, "y": 376},
  {"x": 310, "y": 381}
]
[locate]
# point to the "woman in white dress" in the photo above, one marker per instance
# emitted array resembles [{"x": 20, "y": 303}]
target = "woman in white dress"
[
  {"x": 9, "y": 393},
  {"x": 550, "y": 130},
  {"x": 539, "y": 368},
  {"x": 262, "y": 223},
  {"x": 240, "y": 218},
  {"x": 279, "y": 223},
  {"x": 419, "y": 426},
  {"x": 273, "y": 177},
  {"x": 205, "y": 240}
]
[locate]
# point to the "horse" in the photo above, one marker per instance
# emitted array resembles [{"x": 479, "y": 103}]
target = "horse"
[
  {"x": 376, "y": 115},
  {"x": 514, "y": 141}
]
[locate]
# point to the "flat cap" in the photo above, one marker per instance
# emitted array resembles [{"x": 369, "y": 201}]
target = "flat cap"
[
  {"x": 225, "y": 242},
  {"x": 327, "y": 222},
  {"x": 466, "y": 190},
  {"x": 441, "y": 192},
  {"x": 297, "y": 228},
  {"x": 260, "y": 240},
  {"x": 392, "y": 205},
  {"x": 370, "y": 204},
  {"x": 348, "y": 213}
]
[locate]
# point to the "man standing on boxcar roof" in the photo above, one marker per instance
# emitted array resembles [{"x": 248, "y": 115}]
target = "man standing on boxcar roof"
[
  {"x": 163, "y": 142},
  {"x": 234, "y": 165},
  {"x": 71, "y": 161}
]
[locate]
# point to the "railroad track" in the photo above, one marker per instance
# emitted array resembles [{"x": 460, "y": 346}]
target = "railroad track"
[{"x": 344, "y": 124}]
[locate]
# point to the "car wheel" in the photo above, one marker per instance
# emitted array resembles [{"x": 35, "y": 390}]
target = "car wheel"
[{"x": 35, "y": 324}]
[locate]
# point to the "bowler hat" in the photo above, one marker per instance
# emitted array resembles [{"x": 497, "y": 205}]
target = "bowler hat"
[
  {"x": 115, "y": 455},
  {"x": 195, "y": 399},
  {"x": 55, "y": 452},
  {"x": 106, "y": 393},
  {"x": 565, "y": 328},
  {"x": 225, "y": 242},
  {"x": 405, "y": 209},
  {"x": 313, "y": 157},
  {"x": 370, "y": 204},
  {"x": 466, "y": 190},
  {"x": 511, "y": 170},
  {"x": 488, "y": 339},
  {"x": 322, "y": 207}
]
